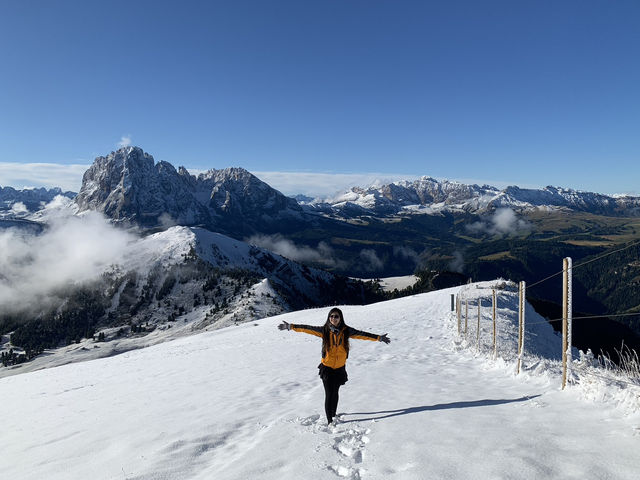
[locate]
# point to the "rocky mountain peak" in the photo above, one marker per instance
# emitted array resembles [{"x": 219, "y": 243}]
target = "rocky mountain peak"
[{"x": 129, "y": 186}]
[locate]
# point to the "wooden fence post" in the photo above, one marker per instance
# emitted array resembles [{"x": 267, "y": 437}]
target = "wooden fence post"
[
  {"x": 566, "y": 318},
  {"x": 521, "y": 308},
  {"x": 478, "y": 329},
  {"x": 495, "y": 340},
  {"x": 466, "y": 317},
  {"x": 458, "y": 312}
]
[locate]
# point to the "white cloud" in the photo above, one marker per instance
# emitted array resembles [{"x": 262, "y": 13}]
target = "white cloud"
[
  {"x": 167, "y": 221},
  {"x": 371, "y": 259},
  {"x": 406, "y": 252},
  {"x": 323, "y": 254},
  {"x": 71, "y": 250},
  {"x": 125, "y": 141},
  {"x": 504, "y": 221},
  {"x": 48, "y": 175},
  {"x": 457, "y": 264},
  {"x": 19, "y": 208}
]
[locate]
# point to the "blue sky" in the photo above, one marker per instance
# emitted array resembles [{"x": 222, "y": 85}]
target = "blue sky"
[{"x": 531, "y": 93}]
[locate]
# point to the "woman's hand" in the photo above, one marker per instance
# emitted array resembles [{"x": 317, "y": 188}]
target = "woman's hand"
[
  {"x": 284, "y": 326},
  {"x": 385, "y": 339}
]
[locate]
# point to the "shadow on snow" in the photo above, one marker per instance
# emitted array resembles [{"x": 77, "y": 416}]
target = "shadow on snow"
[{"x": 440, "y": 406}]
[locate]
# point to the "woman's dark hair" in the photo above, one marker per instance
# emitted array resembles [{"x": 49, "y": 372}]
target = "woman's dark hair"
[{"x": 326, "y": 332}]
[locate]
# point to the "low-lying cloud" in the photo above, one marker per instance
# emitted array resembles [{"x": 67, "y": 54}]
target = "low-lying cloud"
[
  {"x": 371, "y": 260},
  {"x": 69, "y": 251},
  {"x": 504, "y": 221},
  {"x": 457, "y": 264},
  {"x": 323, "y": 254},
  {"x": 406, "y": 253},
  {"x": 19, "y": 208}
]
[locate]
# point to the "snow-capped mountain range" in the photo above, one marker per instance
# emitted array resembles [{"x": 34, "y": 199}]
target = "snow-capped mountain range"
[
  {"x": 16, "y": 202},
  {"x": 129, "y": 187},
  {"x": 429, "y": 196}
]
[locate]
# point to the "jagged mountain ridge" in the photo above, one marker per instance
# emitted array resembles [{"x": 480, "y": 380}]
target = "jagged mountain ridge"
[
  {"x": 428, "y": 195},
  {"x": 128, "y": 186},
  {"x": 30, "y": 199}
]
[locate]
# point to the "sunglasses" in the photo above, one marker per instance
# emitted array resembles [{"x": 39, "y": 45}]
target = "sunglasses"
[{"x": 334, "y": 316}]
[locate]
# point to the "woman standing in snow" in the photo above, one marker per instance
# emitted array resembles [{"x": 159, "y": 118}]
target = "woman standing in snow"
[{"x": 335, "y": 351}]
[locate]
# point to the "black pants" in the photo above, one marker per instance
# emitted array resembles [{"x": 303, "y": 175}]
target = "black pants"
[
  {"x": 331, "y": 387},
  {"x": 332, "y": 379}
]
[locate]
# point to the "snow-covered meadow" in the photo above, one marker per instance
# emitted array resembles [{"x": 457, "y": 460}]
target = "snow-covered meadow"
[{"x": 246, "y": 402}]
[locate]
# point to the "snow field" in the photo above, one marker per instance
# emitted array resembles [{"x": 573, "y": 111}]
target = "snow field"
[{"x": 246, "y": 402}]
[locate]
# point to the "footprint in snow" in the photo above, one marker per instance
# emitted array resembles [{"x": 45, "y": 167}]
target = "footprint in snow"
[
  {"x": 308, "y": 421},
  {"x": 349, "y": 441},
  {"x": 346, "y": 472}
]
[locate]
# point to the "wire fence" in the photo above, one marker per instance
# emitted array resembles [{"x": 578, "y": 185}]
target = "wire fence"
[
  {"x": 587, "y": 317},
  {"x": 599, "y": 257},
  {"x": 629, "y": 363},
  {"x": 627, "y": 373}
]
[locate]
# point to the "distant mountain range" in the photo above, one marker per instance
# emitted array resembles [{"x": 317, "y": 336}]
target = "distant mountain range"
[
  {"x": 430, "y": 196},
  {"x": 129, "y": 186},
  {"x": 26, "y": 201}
]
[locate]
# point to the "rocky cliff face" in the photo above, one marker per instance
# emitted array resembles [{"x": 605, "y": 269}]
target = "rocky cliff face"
[
  {"x": 128, "y": 186},
  {"x": 238, "y": 195}
]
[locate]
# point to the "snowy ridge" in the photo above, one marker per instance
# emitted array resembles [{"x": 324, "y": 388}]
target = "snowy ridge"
[
  {"x": 246, "y": 402},
  {"x": 429, "y": 196},
  {"x": 222, "y": 251}
]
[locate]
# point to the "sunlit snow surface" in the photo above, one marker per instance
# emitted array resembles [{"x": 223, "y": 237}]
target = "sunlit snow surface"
[{"x": 246, "y": 402}]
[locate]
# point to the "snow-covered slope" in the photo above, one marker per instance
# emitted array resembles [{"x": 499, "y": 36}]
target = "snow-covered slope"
[
  {"x": 390, "y": 284},
  {"x": 246, "y": 402}
]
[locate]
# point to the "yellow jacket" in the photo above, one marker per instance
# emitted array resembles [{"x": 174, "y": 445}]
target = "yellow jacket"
[{"x": 336, "y": 356}]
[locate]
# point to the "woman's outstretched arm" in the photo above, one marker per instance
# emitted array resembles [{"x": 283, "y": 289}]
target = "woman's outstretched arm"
[
  {"x": 310, "y": 329},
  {"x": 360, "y": 335}
]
